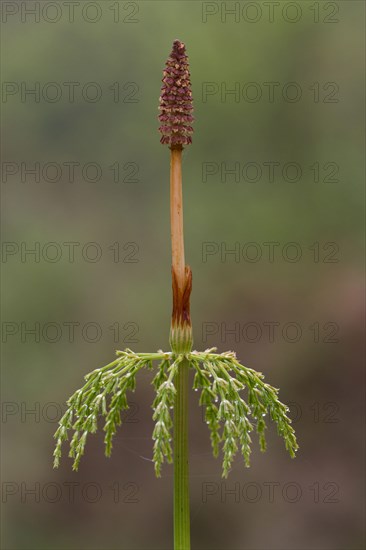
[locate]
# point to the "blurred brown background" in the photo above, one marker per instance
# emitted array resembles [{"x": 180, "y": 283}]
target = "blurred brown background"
[{"x": 274, "y": 175}]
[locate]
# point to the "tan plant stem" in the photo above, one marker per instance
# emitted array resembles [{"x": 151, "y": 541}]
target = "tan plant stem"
[{"x": 176, "y": 217}]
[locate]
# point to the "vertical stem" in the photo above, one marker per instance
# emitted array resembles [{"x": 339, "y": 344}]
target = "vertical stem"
[
  {"x": 180, "y": 437},
  {"x": 176, "y": 216},
  {"x": 181, "y": 468}
]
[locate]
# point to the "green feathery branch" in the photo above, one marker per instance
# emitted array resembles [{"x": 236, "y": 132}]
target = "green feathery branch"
[{"x": 235, "y": 398}]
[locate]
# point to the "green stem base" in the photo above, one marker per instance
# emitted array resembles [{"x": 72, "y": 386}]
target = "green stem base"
[{"x": 181, "y": 468}]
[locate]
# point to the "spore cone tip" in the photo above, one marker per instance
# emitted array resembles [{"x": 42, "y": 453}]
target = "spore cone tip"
[{"x": 176, "y": 105}]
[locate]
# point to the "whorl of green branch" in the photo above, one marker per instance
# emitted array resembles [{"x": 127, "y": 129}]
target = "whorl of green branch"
[
  {"x": 223, "y": 381},
  {"x": 104, "y": 394},
  {"x": 236, "y": 400}
]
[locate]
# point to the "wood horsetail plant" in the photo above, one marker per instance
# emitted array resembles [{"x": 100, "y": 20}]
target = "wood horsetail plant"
[{"x": 235, "y": 398}]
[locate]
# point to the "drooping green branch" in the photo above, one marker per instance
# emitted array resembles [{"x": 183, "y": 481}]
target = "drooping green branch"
[
  {"x": 103, "y": 395},
  {"x": 231, "y": 419},
  {"x": 163, "y": 403},
  {"x": 223, "y": 382}
]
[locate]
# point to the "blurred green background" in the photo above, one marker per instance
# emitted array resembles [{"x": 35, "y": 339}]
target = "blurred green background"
[{"x": 314, "y": 304}]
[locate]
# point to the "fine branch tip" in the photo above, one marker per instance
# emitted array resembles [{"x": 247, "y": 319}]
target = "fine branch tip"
[{"x": 176, "y": 105}]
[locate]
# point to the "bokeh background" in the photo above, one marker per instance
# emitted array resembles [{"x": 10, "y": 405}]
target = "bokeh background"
[{"x": 116, "y": 292}]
